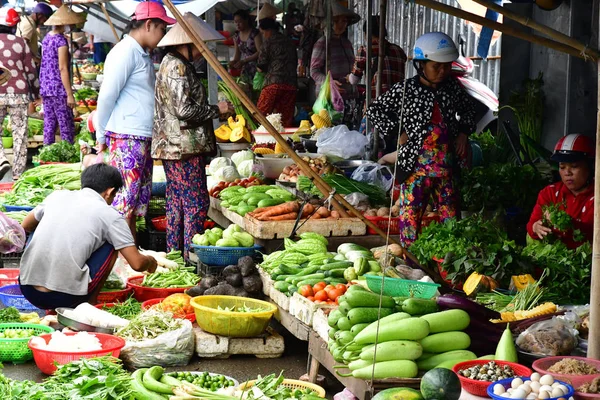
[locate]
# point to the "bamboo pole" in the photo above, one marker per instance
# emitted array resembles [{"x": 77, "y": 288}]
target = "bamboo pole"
[
  {"x": 594, "y": 330},
  {"x": 109, "y": 20},
  {"x": 552, "y": 44},
  {"x": 339, "y": 202},
  {"x": 382, "y": 51},
  {"x": 546, "y": 30}
]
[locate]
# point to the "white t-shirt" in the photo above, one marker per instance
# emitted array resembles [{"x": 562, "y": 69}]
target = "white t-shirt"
[{"x": 72, "y": 225}]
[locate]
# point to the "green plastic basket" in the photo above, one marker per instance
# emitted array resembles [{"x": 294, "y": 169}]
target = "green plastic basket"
[
  {"x": 402, "y": 287},
  {"x": 16, "y": 350}
]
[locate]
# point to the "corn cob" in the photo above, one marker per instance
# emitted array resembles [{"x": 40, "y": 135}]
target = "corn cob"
[
  {"x": 263, "y": 150},
  {"x": 325, "y": 115},
  {"x": 304, "y": 124},
  {"x": 319, "y": 121}
]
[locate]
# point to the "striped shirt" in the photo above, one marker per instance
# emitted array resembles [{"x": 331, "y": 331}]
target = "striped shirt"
[
  {"x": 393, "y": 65},
  {"x": 340, "y": 63}
]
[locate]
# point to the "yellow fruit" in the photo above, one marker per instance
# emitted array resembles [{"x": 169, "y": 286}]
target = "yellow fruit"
[
  {"x": 319, "y": 121},
  {"x": 325, "y": 115},
  {"x": 263, "y": 150},
  {"x": 223, "y": 133},
  {"x": 279, "y": 149}
]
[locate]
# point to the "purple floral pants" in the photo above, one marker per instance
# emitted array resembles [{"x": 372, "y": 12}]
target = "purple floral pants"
[
  {"x": 131, "y": 156},
  {"x": 187, "y": 201},
  {"x": 56, "y": 111}
]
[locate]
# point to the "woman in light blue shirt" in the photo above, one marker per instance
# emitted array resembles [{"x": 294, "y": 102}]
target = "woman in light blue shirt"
[{"x": 126, "y": 108}]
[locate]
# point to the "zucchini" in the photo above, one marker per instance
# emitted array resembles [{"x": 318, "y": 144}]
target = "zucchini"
[
  {"x": 335, "y": 265},
  {"x": 446, "y": 341},
  {"x": 283, "y": 287},
  {"x": 363, "y": 298},
  {"x": 269, "y": 202},
  {"x": 415, "y": 306},
  {"x": 405, "y": 329},
  {"x": 308, "y": 281},
  {"x": 367, "y": 314}
]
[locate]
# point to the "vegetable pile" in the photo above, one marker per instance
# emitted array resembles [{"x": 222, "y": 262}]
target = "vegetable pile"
[
  {"x": 320, "y": 165},
  {"x": 244, "y": 200},
  {"x": 59, "y": 342},
  {"x": 343, "y": 186},
  {"x": 11, "y": 315},
  {"x": 245, "y": 183},
  {"x": 149, "y": 325},
  {"x": 240, "y": 280},
  {"x": 128, "y": 309},
  {"x": 62, "y": 151},
  {"x": 178, "y": 278},
  {"x": 232, "y": 236},
  {"x": 322, "y": 292},
  {"x": 205, "y": 380},
  {"x": 17, "y": 333},
  {"x": 291, "y": 210}
]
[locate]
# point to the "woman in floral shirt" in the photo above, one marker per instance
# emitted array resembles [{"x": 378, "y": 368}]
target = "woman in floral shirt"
[
  {"x": 435, "y": 116},
  {"x": 183, "y": 132}
]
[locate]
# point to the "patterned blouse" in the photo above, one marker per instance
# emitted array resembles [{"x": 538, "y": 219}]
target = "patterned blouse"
[
  {"x": 340, "y": 63},
  {"x": 278, "y": 59},
  {"x": 247, "y": 48},
  {"x": 16, "y": 56},
  {"x": 182, "y": 116},
  {"x": 457, "y": 108},
  {"x": 50, "y": 82}
]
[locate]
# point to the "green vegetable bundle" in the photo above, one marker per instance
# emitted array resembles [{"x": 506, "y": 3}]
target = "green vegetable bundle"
[
  {"x": 62, "y": 151},
  {"x": 149, "y": 325},
  {"x": 128, "y": 309},
  {"x": 179, "y": 278},
  {"x": 343, "y": 186},
  {"x": 237, "y": 104},
  {"x": 9, "y": 315}
]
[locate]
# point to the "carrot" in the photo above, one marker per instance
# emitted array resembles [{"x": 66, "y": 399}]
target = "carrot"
[
  {"x": 259, "y": 210},
  {"x": 283, "y": 217},
  {"x": 285, "y": 208}
]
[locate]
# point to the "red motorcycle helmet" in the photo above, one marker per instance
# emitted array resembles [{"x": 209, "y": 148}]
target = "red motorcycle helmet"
[
  {"x": 9, "y": 17},
  {"x": 574, "y": 147}
]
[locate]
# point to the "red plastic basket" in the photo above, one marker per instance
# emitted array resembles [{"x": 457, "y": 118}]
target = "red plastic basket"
[
  {"x": 160, "y": 223},
  {"x": 113, "y": 297},
  {"x": 149, "y": 303},
  {"x": 13, "y": 275},
  {"x": 444, "y": 274},
  {"x": 142, "y": 293},
  {"x": 46, "y": 359},
  {"x": 382, "y": 223},
  {"x": 6, "y": 187},
  {"x": 479, "y": 388}
]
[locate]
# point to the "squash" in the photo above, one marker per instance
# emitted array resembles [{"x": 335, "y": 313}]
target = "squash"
[
  {"x": 223, "y": 133},
  {"x": 440, "y": 384},
  {"x": 520, "y": 282},
  {"x": 477, "y": 283},
  {"x": 238, "y": 121},
  {"x": 239, "y": 133}
]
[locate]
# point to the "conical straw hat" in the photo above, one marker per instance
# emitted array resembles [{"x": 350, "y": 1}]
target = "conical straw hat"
[
  {"x": 177, "y": 36},
  {"x": 267, "y": 11},
  {"x": 337, "y": 10},
  {"x": 65, "y": 16},
  {"x": 4, "y": 75}
]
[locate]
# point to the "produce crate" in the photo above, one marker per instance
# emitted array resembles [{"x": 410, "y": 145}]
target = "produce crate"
[
  {"x": 304, "y": 309},
  {"x": 266, "y": 281},
  {"x": 268, "y": 345},
  {"x": 382, "y": 223},
  {"x": 320, "y": 324},
  {"x": 283, "y": 229},
  {"x": 233, "y": 217},
  {"x": 280, "y": 299},
  {"x": 209, "y": 270},
  {"x": 157, "y": 241}
]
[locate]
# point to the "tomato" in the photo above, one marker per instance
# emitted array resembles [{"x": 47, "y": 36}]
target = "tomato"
[
  {"x": 237, "y": 181},
  {"x": 252, "y": 179},
  {"x": 329, "y": 287},
  {"x": 216, "y": 193},
  {"x": 311, "y": 298},
  {"x": 341, "y": 287},
  {"x": 321, "y": 295},
  {"x": 334, "y": 294},
  {"x": 306, "y": 291},
  {"x": 319, "y": 286},
  {"x": 221, "y": 185}
]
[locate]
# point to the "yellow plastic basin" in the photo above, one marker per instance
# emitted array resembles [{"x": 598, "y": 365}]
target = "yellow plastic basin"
[{"x": 233, "y": 324}]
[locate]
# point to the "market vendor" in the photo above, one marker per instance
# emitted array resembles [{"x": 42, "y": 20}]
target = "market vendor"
[
  {"x": 437, "y": 117},
  {"x": 126, "y": 108},
  {"x": 574, "y": 194},
  {"x": 341, "y": 61},
  {"x": 278, "y": 61},
  {"x": 183, "y": 133},
  {"x": 76, "y": 235},
  {"x": 28, "y": 27},
  {"x": 246, "y": 41}
]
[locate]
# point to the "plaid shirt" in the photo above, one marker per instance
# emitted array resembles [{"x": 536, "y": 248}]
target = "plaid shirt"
[{"x": 393, "y": 65}]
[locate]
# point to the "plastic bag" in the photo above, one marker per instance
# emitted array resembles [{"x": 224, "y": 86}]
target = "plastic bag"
[
  {"x": 336, "y": 98},
  {"x": 375, "y": 174},
  {"x": 12, "y": 235},
  {"x": 341, "y": 142},
  {"x": 550, "y": 338},
  {"x": 170, "y": 349},
  {"x": 259, "y": 80}
]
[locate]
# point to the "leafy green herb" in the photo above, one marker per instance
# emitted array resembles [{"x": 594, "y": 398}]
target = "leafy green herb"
[
  {"x": 62, "y": 151},
  {"x": 9, "y": 315},
  {"x": 244, "y": 309},
  {"x": 149, "y": 325},
  {"x": 343, "y": 186},
  {"x": 128, "y": 309},
  {"x": 85, "y": 94}
]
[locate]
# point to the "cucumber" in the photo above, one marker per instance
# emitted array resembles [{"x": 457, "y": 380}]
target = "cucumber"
[
  {"x": 309, "y": 281},
  {"x": 388, "y": 369},
  {"x": 367, "y": 314},
  {"x": 446, "y": 341},
  {"x": 333, "y": 317},
  {"x": 335, "y": 265},
  {"x": 335, "y": 273},
  {"x": 435, "y": 360},
  {"x": 362, "y": 298},
  {"x": 415, "y": 306},
  {"x": 405, "y": 329},
  {"x": 393, "y": 350},
  {"x": 269, "y": 202},
  {"x": 283, "y": 287},
  {"x": 335, "y": 281},
  {"x": 446, "y": 321}
]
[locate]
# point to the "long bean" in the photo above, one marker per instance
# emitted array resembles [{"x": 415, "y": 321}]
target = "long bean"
[{"x": 178, "y": 278}]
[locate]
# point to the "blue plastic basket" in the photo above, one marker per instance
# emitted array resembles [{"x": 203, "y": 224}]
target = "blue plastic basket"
[
  {"x": 10, "y": 208},
  {"x": 11, "y": 296},
  {"x": 402, "y": 287},
  {"x": 223, "y": 256},
  {"x": 506, "y": 383}
]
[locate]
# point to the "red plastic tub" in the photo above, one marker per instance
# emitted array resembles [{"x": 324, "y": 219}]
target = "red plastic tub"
[
  {"x": 113, "y": 297},
  {"x": 576, "y": 381},
  {"x": 142, "y": 293},
  {"x": 479, "y": 388},
  {"x": 160, "y": 223},
  {"x": 46, "y": 359},
  {"x": 149, "y": 303}
]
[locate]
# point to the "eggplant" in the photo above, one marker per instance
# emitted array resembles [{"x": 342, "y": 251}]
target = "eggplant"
[{"x": 474, "y": 309}]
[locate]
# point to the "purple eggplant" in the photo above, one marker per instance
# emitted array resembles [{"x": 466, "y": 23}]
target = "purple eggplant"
[{"x": 474, "y": 309}]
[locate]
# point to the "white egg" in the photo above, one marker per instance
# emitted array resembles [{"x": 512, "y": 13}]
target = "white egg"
[
  {"x": 531, "y": 396},
  {"x": 546, "y": 388},
  {"x": 506, "y": 394},
  {"x": 535, "y": 377},
  {"x": 499, "y": 389},
  {"x": 535, "y": 386},
  {"x": 543, "y": 395},
  {"x": 518, "y": 394},
  {"x": 563, "y": 388},
  {"x": 547, "y": 380},
  {"x": 557, "y": 392},
  {"x": 515, "y": 383},
  {"x": 510, "y": 390},
  {"x": 525, "y": 387}
]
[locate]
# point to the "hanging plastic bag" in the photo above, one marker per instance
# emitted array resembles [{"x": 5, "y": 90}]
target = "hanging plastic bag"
[
  {"x": 259, "y": 80},
  {"x": 323, "y": 101},
  {"x": 341, "y": 142},
  {"x": 12, "y": 235},
  {"x": 171, "y": 349},
  {"x": 337, "y": 100},
  {"x": 375, "y": 174}
]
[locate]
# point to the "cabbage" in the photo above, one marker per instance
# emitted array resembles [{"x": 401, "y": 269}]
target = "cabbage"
[
  {"x": 226, "y": 174},
  {"x": 240, "y": 156},
  {"x": 218, "y": 163},
  {"x": 245, "y": 168}
]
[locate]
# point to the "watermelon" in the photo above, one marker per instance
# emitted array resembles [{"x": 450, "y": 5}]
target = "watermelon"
[
  {"x": 440, "y": 384},
  {"x": 398, "y": 394}
]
